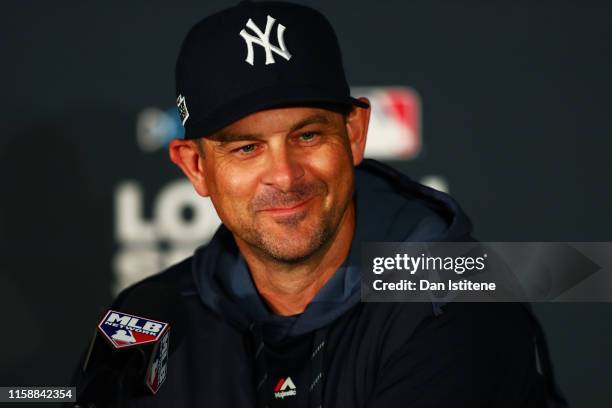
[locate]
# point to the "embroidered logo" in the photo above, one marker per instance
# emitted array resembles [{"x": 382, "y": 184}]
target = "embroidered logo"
[
  {"x": 182, "y": 108},
  {"x": 263, "y": 39},
  {"x": 284, "y": 388}
]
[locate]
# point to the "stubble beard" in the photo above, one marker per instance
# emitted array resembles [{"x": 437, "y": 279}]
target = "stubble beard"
[{"x": 300, "y": 242}]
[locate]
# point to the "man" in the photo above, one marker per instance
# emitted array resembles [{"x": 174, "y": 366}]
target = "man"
[{"x": 274, "y": 138}]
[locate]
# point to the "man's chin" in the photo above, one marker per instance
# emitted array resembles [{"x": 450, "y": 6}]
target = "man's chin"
[
  {"x": 290, "y": 239},
  {"x": 292, "y": 247},
  {"x": 289, "y": 255}
]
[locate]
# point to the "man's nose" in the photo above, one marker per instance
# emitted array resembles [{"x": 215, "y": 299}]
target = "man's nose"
[{"x": 284, "y": 169}]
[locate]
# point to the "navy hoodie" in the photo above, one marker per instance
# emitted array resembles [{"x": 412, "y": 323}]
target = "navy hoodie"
[{"x": 340, "y": 352}]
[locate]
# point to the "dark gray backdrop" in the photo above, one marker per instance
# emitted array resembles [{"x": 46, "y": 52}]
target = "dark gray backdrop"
[{"x": 516, "y": 116}]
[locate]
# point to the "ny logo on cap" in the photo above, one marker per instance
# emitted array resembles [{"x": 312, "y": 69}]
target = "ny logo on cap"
[{"x": 263, "y": 39}]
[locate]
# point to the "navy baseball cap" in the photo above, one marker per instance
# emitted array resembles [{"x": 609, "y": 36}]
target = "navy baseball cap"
[{"x": 256, "y": 56}]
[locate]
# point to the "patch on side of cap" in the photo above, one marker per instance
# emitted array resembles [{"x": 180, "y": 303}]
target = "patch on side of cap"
[{"x": 182, "y": 108}]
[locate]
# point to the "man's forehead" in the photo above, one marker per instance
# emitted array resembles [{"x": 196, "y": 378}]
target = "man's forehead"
[{"x": 286, "y": 119}]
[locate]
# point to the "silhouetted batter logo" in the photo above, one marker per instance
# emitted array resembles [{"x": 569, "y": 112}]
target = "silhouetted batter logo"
[{"x": 124, "y": 330}]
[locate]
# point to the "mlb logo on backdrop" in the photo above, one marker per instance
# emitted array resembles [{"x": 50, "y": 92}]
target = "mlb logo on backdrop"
[
  {"x": 125, "y": 330},
  {"x": 395, "y": 122}
]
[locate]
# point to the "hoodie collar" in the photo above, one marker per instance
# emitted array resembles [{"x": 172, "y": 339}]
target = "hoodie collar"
[{"x": 389, "y": 207}]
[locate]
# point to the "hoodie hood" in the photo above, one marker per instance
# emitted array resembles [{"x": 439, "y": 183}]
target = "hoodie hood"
[{"x": 389, "y": 208}]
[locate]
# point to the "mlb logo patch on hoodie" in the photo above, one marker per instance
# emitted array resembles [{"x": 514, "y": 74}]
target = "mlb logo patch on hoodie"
[{"x": 284, "y": 388}]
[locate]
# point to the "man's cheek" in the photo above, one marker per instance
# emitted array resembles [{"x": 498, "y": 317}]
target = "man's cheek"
[{"x": 239, "y": 181}]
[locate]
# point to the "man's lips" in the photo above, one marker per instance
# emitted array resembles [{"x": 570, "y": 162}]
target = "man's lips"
[{"x": 286, "y": 210}]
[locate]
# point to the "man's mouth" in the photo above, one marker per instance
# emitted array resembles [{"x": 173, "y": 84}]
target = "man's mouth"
[{"x": 287, "y": 209}]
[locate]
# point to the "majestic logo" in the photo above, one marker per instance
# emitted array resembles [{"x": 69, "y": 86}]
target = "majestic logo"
[
  {"x": 182, "y": 108},
  {"x": 263, "y": 39},
  {"x": 284, "y": 388},
  {"x": 124, "y": 330}
]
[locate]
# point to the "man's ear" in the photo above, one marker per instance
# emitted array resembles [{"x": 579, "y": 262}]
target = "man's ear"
[
  {"x": 187, "y": 155},
  {"x": 357, "y": 128}
]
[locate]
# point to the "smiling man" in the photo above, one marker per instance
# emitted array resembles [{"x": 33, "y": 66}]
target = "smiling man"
[
  {"x": 282, "y": 182},
  {"x": 274, "y": 138}
]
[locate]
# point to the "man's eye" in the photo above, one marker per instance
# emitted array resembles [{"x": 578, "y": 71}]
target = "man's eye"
[
  {"x": 247, "y": 149},
  {"x": 307, "y": 136}
]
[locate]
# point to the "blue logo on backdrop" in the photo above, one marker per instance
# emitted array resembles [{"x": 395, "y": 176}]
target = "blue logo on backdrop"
[{"x": 155, "y": 128}]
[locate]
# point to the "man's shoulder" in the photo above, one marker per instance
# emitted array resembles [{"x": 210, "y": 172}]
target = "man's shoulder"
[
  {"x": 406, "y": 209},
  {"x": 482, "y": 329},
  {"x": 492, "y": 317},
  {"x": 178, "y": 276},
  {"x": 479, "y": 353}
]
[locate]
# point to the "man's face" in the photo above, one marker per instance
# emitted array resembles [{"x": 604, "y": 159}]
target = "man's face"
[{"x": 282, "y": 179}]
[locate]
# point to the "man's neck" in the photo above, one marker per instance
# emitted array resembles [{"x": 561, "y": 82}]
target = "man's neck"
[{"x": 289, "y": 288}]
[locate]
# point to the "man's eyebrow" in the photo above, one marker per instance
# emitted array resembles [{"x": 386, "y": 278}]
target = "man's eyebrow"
[
  {"x": 224, "y": 137},
  {"x": 313, "y": 119}
]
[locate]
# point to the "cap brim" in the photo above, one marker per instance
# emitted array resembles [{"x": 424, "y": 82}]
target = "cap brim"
[{"x": 261, "y": 100}]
